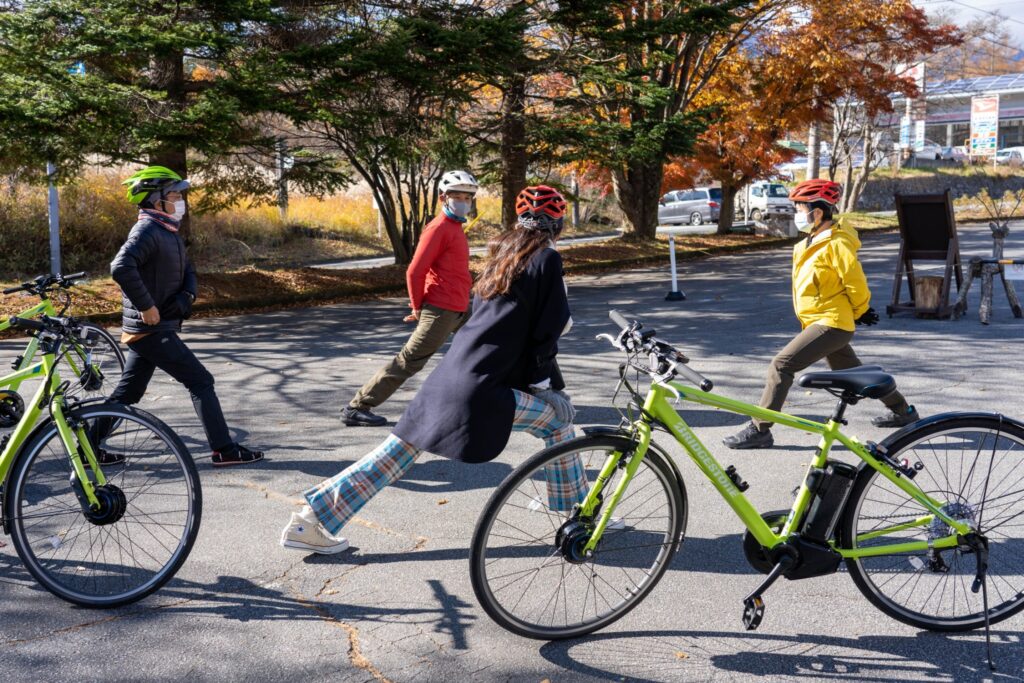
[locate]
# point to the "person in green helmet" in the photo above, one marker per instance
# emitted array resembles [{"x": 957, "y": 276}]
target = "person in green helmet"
[{"x": 158, "y": 284}]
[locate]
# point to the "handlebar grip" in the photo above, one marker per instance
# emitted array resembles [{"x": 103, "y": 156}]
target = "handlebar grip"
[
  {"x": 12, "y": 290},
  {"x": 26, "y": 324},
  {"x": 618, "y": 319},
  {"x": 703, "y": 383},
  {"x": 73, "y": 276}
]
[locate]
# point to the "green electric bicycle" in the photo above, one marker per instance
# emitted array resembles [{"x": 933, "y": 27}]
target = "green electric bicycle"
[
  {"x": 929, "y": 523},
  {"x": 96, "y": 356},
  {"x": 101, "y": 500}
]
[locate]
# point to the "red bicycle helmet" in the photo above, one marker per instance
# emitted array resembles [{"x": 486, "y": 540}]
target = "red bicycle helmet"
[
  {"x": 817, "y": 190},
  {"x": 540, "y": 200}
]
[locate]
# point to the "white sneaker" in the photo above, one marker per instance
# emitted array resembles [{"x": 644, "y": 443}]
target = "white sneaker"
[
  {"x": 616, "y": 524},
  {"x": 303, "y": 535}
]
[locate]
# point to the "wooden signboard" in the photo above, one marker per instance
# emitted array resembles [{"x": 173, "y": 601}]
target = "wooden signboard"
[{"x": 927, "y": 233}]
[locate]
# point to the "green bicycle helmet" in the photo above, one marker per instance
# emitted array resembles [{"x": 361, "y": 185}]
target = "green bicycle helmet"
[{"x": 153, "y": 179}]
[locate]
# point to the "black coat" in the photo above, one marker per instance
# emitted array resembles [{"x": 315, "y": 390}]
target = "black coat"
[
  {"x": 465, "y": 408},
  {"x": 152, "y": 267}
]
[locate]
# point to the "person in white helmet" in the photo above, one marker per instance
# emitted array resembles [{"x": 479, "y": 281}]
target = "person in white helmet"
[{"x": 439, "y": 282}]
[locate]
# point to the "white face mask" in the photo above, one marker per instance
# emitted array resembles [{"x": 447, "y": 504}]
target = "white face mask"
[
  {"x": 802, "y": 224},
  {"x": 459, "y": 207},
  {"x": 179, "y": 209}
]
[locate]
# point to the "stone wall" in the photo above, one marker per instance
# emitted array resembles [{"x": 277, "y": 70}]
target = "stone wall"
[{"x": 880, "y": 190}]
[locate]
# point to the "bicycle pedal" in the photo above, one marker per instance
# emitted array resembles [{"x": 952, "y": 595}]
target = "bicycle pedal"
[{"x": 753, "y": 612}]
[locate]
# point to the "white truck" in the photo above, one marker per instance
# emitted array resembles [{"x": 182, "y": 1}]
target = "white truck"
[{"x": 762, "y": 198}]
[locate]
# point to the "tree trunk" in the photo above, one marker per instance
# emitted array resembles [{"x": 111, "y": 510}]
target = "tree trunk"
[
  {"x": 513, "y": 148},
  {"x": 728, "y": 211},
  {"x": 637, "y": 189},
  {"x": 168, "y": 74},
  {"x": 846, "y": 203}
]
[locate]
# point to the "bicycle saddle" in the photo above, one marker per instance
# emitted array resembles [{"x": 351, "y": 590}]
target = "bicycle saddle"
[{"x": 867, "y": 381}]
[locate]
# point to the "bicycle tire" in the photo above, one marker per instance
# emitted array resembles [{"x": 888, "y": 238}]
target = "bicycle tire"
[
  {"x": 991, "y": 450},
  {"x": 487, "y": 564},
  {"x": 129, "y": 557},
  {"x": 104, "y": 351}
]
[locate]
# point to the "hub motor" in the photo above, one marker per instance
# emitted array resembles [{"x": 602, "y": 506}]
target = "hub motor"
[
  {"x": 571, "y": 539},
  {"x": 112, "y": 503}
]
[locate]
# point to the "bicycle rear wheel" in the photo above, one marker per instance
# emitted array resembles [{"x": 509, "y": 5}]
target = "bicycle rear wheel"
[
  {"x": 525, "y": 580},
  {"x": 145, "y": 529},
  {"x": 975, "y": 464},
  {"x": 97, "y": 349}
]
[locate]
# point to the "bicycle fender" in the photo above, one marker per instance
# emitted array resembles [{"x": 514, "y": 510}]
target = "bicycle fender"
[{"x": 946, "y": 417}]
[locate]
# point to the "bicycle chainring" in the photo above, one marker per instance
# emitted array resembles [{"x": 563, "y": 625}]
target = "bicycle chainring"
[
  {"x": 757, "y": 555},
  {"x": 12, "y": 409}
]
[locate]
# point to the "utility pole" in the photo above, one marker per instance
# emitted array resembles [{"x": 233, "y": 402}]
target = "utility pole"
[
  {"x": 813, "y": 151},
  {"x": 282, "y": 182},
  {"x": 53, "y": 212}
]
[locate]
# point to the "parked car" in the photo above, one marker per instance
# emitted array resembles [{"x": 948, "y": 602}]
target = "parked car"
[
  {"x": 1010, "y": 155},
  {"x": 696, "y": 206},
  {"x": 958, "y": 154},
  {"x": 765, "y": 197},
  {"x": 929, "y": 150}
]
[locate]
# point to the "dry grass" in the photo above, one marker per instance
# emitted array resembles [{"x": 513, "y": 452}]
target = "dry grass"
[{"x": 95, "y": 219}]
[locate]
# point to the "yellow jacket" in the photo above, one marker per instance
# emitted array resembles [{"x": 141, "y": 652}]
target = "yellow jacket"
[{"x": 829, "y": 287}]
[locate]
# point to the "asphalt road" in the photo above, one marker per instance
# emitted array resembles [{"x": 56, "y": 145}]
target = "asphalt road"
[
  {"x": 399, "y": 605},
  {"x": 390, "y": 260}
]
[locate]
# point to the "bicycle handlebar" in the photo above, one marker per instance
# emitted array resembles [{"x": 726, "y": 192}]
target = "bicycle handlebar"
[
  {"x": 618, "y": 319},
  {"x": 668, "y": 360},
  {"x": 26, "y": 324},
  {"x": 702, "y": 382},
  {"x": 43, "y": 283}
]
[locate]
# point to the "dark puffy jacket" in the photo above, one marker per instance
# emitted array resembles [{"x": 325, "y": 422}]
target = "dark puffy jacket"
[{"x": 152, "y": 268}]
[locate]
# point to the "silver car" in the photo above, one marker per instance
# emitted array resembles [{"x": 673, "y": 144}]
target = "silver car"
[{"x": 696, "y": 206}]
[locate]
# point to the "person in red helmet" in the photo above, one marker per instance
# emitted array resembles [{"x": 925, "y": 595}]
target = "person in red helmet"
[
  {"x": 830, "y": 297},
  {"x": 499, "y": 376}
]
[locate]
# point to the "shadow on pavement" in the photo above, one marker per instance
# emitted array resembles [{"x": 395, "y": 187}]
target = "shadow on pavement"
[{"x": 700, "y": 655}]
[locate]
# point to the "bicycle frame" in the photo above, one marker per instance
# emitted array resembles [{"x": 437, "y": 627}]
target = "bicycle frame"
[
  {"x": 26, "y": 368},
  {"x": 74, "y": 438},
  {"x": 656, "y": 409}
]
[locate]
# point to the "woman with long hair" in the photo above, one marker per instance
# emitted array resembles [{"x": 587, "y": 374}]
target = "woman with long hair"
[{"x": 499, "y": 376}]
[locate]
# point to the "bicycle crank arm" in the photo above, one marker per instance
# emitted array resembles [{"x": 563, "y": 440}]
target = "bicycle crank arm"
[{"x": 753, "y": 604}]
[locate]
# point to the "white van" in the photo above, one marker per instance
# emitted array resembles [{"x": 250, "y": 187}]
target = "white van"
[{"x": 764, "y": 197}]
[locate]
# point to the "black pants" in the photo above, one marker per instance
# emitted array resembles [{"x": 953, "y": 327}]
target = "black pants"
[{"x": 166, "y": 351}]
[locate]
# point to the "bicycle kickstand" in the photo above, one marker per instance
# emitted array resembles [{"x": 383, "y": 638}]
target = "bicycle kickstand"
[
  {"x": 753, "y": 604},
  {"x": 979, "y": 544}
]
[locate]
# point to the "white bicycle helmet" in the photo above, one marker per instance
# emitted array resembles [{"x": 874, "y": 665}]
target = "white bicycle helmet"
[{"x": 458, "y": 181}]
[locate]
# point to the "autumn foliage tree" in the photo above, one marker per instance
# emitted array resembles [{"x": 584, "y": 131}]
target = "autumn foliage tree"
[
  {"x": 638, "y": 68},
  {"x": 816, "y": 58}
]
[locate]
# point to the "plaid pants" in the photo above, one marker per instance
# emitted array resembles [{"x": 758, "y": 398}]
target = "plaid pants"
[{"x": 336, "y": 500}]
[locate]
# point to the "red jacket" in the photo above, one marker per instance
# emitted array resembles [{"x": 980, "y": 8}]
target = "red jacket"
[{"x": 439, "y": 272}]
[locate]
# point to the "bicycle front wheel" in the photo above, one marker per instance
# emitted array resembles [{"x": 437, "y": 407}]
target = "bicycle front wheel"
[
  {"x": 522, "y": 565},
  {"x": 975, "y": 466},
  {"x": 94, "y": 349},
  {"x": 148, "y": 520}
]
